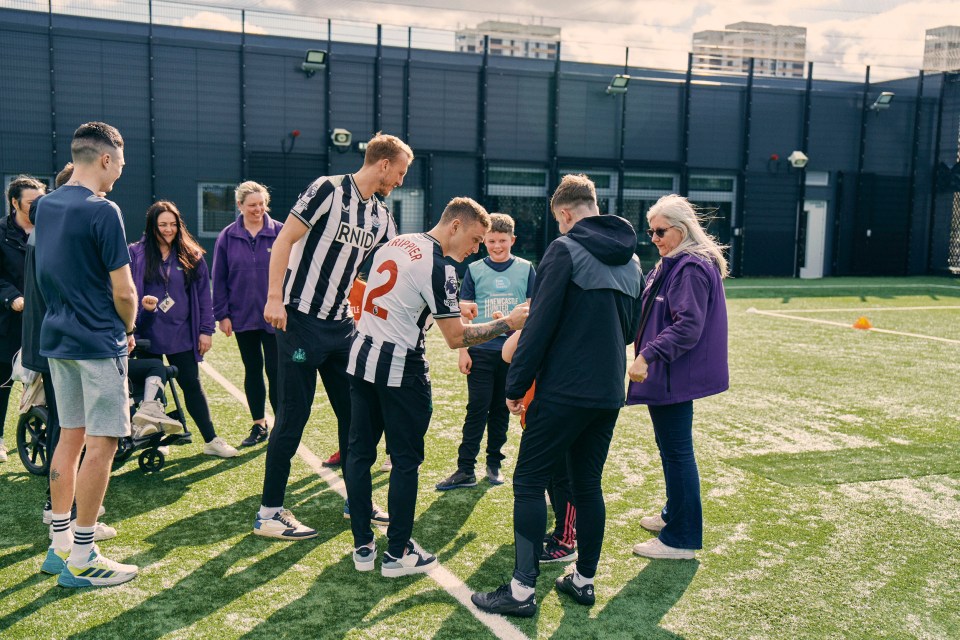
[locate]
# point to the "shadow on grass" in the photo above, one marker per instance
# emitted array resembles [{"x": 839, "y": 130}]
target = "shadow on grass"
[
  {"x": 636, "y": 611},
  {"x": 441, "y": 523}
]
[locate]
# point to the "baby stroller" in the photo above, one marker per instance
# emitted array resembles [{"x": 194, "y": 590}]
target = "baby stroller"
[{"x": 34, "y": 439}]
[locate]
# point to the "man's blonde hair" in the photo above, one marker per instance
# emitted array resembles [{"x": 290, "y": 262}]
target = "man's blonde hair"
[
  {"x": 573, "y": 190},
  {"x": 246, "y": 188},
  {"x": 467, "y": 210},
  {"x": 383, "y": 146}
]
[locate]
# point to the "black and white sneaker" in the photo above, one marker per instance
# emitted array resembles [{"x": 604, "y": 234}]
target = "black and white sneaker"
[
  {"x": 284, "y": 526},
  {"x": 414, "y": 560},
  {"x": 502, "y": 601},
  {"x": 583, "y": 595},
  {"x": 258, "y": 434},
  {"x": 556, "y": 551},
  {"x": 364, "y": 557}
]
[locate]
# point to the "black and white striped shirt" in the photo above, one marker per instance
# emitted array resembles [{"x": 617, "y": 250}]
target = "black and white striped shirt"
[
  {"x": 410, "y": 283},
  {"x": 344, "y": 229}
]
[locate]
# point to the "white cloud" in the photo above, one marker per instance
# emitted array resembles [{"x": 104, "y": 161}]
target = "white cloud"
[{"x": 217, "y": 21}]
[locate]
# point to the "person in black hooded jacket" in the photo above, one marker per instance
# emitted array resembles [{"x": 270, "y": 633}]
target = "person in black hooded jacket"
[{"x": 585, "y": 310}]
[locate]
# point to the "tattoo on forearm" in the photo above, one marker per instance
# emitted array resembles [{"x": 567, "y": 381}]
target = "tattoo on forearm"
[
  {"x": 478, "y": 333},
  {"x": 54, "y": 475}
]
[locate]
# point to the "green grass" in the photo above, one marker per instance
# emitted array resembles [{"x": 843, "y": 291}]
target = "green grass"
[{"x": 831, "y": 489}]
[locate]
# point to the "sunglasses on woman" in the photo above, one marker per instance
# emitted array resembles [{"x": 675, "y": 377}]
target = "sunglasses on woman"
[{"x": 660, "y": 232}]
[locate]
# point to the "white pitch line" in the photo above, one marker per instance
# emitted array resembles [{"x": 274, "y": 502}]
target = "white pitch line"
[
  {"x": 843, "y": 286},
  {"x": 498, "y": 625},
  {"x": 938, "y": 307},
  {"x": 776, "y": 314}
]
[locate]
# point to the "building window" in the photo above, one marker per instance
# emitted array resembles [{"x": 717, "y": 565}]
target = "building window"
[
  {"x": 215, "y": 208},
  {"x": 521, "y": 192}
]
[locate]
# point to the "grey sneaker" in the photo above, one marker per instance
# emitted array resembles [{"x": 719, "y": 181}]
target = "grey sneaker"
[
  {"x": 494, "y": 476},
  {"x": 656, "y": 550},
  {"x": 653, "y": 523},
  {"x": 458, "y": 480},
  {"x": 151, "y": 414},
  {"x": 364, "y": 557}
]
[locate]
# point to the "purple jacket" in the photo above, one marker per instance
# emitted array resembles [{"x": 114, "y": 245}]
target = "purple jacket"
[
  {"x": 241, "y": 273},
  {"x": 685, "y": 338},
  {"x": 201, "y": 314}
]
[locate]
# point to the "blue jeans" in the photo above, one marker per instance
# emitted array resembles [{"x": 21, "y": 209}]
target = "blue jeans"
[{"x": 683, "y": 513}]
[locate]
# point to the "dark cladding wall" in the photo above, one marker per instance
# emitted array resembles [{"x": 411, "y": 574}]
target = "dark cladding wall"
[{"x": 214, "y": 91}]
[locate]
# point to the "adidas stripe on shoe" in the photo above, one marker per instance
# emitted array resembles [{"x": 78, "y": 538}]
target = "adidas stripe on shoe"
[{"x": 98, "y": 571}]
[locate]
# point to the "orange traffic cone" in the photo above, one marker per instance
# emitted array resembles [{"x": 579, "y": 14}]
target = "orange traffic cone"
[{"x": 862, "y": 323}]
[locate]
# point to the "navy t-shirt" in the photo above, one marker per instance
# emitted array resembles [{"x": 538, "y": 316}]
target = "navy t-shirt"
[{"x": 80, "y": 240}]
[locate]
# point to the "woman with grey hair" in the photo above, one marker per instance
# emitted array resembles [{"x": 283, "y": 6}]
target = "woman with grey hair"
[{"x": 681, "y": 355}]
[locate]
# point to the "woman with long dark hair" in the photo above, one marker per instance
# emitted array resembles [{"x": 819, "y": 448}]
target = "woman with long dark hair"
[{"x": 176, "y": 308}]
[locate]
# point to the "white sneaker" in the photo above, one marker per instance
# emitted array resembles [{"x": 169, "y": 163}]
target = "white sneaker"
[
  {"x": 219, "y": 447},
  {"x": 3, "y": 451},
  {"x": 387, "y": 465},
  {"x": 98, "y": 571},
  {"x": 364, "y": 557},
  {"x": 655, "y": 549},
  {"x": 284, "y": 526},
  {"x": 101, "y": 531},
  {"x": 653, "y": 523},
  {"x": 151, "y": 415},
  {"x": 48, "y": 514},
  {"x": 414, "y": 560}
]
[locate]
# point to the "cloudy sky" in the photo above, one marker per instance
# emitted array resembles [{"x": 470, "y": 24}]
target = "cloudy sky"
[{"x": 842, "y": 35}]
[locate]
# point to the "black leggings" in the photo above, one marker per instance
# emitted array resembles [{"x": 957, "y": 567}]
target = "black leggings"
[
  {"x": 258, "y": 350},
  {"x": 188, "y": 378}
]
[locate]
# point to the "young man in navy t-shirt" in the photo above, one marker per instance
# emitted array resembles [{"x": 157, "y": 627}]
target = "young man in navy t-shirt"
[{"x": 83, "y": 271}]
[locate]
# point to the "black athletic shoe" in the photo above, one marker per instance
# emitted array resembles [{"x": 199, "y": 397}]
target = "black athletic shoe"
[
  {"x": 457, "y": 480},
  {"x": 258, "y": 433},
  {"x": 583, "y": 595},
  {"x": 556, "y": 551},
  {"x": 502, "y": 601}
]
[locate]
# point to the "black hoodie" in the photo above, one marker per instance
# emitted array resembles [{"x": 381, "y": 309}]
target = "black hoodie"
[{"x": 585, "y": 309}]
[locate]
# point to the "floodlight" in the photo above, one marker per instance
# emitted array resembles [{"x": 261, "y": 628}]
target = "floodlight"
[
  {"x": 798, "y": 159},
  {"x": 618, "y": 84},
  {"x": 315, "y": 60},
  {"x": 883, "y": 101}
]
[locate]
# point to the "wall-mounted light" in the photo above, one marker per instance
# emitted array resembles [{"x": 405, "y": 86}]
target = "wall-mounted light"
[
  {"x": 883, "y": 101},
  {"x": 798, "y": 159},
  {"x": 341, "y": 139},
  {"x": 618, "y": 85},
  {"x": 315, "y": 60}
]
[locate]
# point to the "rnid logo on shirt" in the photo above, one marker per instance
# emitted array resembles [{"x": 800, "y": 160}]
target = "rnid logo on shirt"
[{"x": 354, "y": 236}]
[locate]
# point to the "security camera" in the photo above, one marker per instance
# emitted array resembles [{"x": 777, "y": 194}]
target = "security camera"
[
  {"x": 341, "y": 139},
  {"x": 798, "y": 159}
]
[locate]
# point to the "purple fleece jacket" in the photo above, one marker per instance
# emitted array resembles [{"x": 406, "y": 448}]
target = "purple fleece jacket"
[
  {"x": 685, "y": 338},
  {"x": 241, "y": 273},
  {"x": 201, "y": 313}
]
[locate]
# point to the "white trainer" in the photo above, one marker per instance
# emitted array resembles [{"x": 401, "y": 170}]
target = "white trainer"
[
  {"x": 656, "y": 550},
  {"x": 3, "y": 451},
  {"x": 414, "y": 560},
  {"x": 219, "y": 447},
  {"x": 653, "y": 523},
  {"x": 387, "y": 465},
  {"x": 283, "y": 526}
]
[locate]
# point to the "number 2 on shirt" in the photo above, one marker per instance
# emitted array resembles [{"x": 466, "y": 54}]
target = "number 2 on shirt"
[{"x": 391, "y": 267}]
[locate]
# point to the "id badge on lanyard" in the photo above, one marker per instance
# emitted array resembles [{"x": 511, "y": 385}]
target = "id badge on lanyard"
[{"x": 167, "y": 301}]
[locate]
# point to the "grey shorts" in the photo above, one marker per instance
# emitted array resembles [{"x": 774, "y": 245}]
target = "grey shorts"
[{"x": 92, "y": 394}]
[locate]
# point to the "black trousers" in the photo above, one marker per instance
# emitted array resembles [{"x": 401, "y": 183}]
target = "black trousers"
[
  {"x": 486, "y": 409},
  {"x": 6, "y": 370},
  {"x": 404, "y": 414},
  {"x": 552, "y": 431},
  {"x": 188, "y": 378},
  {"x": 258, "y": 351},
  {"x": 307, "y": 347}
]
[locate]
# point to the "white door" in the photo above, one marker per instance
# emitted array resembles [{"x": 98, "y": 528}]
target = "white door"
[{"x": 816, "y": 234}]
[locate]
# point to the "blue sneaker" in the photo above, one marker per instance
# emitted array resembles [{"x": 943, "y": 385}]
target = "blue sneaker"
[
  {"x": 98, "y": 571},
  {"x": 55, "y": 561},
  {"x": 376, "y": 517}
]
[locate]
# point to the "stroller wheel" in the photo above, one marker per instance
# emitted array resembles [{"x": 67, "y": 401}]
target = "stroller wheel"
[
  {"x": 151, "y": 460},
  {"x": 33, "y": 441}
]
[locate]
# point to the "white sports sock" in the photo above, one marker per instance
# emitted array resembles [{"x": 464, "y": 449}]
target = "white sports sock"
[
  {"x": 266, "y": 513},
  {"x": 82, "y": 545},
  {"x": 521, "y": 591},
  {"x": 580, "y": 581},
  {"x": 62, "y": 534}
]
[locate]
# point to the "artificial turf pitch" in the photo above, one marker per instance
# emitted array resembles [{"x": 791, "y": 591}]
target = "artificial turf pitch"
[{"x": 831, "y": 492}]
